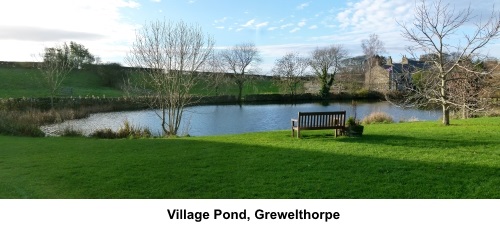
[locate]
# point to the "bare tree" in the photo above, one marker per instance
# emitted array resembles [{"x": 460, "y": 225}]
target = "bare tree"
[
  {"x": 215, "y": 72},
  {"x": 434, "y": 32},
  {"x": 372, "y": 47},
  {"x": 353, "y": 74},
  {"x": 291, "y": 70},
  {"x": 168, "y": 55},
  {"x": 326, "y": 63},
  {"x": 493, "y": 90},
  {"x": 55, "y": 68},
  {"x": 467, "y": 87},
  {"x": 238, "y": 61}
]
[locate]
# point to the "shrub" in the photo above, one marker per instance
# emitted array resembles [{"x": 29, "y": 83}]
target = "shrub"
[
  {"x": 377, "y": 117},
  {"x": 104, "y": 133},
  {"x": 352, "y": 122},
  {"x": 12, "y": 123},
  {"x": 363, "y": 92},
  {"x": 126, "y": 131},
  {"x": 71, "y": 132},
  {"x": 111, "y": 74},
  {"x": 129, "y": 131}
]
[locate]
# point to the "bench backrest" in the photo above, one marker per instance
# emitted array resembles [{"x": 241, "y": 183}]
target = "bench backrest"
[{"x": 322, "y": 119}]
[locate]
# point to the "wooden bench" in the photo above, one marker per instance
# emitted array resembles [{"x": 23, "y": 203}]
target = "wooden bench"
[{"x": 319, "y": 121}]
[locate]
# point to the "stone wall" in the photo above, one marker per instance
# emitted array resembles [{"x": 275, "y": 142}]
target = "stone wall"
[{"x": 377, "y": 79}]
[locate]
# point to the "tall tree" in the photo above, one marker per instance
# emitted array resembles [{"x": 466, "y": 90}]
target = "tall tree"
[
  {"x": 55, "y": 68},
  {"x": 238, "y": 61},
  {"x": 291, "y": 70},
  {"x": 80, "y": 55},
  {"x": 435, "y": 32},
  {"x": 168, "y": 55},
  {"x": 372, "y": 48},
  {"x": 326, "y": 63}
]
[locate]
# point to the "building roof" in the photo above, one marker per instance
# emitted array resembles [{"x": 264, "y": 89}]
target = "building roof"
[{"x": 412, "y": 66}]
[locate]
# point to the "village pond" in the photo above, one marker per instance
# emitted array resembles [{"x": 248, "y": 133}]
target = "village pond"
[{"x": 234, "y": 119}]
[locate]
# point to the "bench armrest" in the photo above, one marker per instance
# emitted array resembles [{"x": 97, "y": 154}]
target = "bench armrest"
[{"x": 294, "y": 121}]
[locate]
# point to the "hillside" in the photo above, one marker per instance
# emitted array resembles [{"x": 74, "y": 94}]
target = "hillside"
[
  {"x": 23, "y": 80},
  {"x": 16, "y": 82}
]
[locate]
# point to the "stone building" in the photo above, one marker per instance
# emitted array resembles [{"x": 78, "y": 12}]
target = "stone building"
[{"x": 389, "y": 76}]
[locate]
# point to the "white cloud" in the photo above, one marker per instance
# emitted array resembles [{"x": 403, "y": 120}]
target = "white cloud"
[
  {"x": 313, "y": 27},
  {"x": 364, "y": 17},
  {"x": 273, "y": 28},
  {"x": 272, "y": 52},
  {"x": 286, "y": 25},
  {"x": 374, "y": 15},
  {"x": 219, "y": 27},
  {"x": 249, "y": 23},
  {"x": 98, "y": 25},
  {"x": 222, "y": 20},
  {"x": 302, "y": 23},
  {"x": 294, "y": 30},
  {"x": 156, "y": 0},
  {"x": 302, "y": 6},
  {"x": 263, "y": 24},
  {"x": 283, "y": 49}
]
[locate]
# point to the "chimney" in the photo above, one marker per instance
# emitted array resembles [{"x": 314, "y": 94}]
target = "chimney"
[
  {"x": 404, "y": 60},
  {"x": 389, "y": 61}
]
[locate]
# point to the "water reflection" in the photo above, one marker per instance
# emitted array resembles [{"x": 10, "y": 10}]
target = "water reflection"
[{"x": 233, "y": 119}]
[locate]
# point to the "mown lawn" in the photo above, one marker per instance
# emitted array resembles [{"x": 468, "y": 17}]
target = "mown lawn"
[{"x": 404, "y": 160}]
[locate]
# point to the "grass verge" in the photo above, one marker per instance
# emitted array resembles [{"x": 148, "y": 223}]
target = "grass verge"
[{"x": 403, "y": 160}]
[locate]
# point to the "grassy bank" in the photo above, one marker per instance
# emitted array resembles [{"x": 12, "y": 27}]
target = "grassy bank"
[
  {"x": 404, "y": 160},
  {"x": 25, "y": 82}
]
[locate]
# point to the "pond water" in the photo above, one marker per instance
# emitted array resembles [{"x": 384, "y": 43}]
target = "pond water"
[{"x": 234, "y": 119}]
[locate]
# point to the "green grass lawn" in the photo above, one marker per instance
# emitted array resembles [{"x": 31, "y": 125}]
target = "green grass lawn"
[{"x": 404, "y": 160}]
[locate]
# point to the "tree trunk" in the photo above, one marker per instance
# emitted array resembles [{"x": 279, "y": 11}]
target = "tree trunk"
[
  {"x": 446, "y": 115},
  {"x": 444, "y": 100},
  {"x": 325, "y": 91},
  {"x": 163, "y": 123},
  {"x": 240, "y": 92}
]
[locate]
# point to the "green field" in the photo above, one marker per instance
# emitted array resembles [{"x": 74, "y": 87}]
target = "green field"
[
  {"x": 25, "y": 82},
  {"x": 404, "y": 160}
]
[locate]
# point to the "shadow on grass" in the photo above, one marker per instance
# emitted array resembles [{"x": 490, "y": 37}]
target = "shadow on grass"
[
  {"x": 417, "y": 142},
  {"x": 186, "y": 168}
]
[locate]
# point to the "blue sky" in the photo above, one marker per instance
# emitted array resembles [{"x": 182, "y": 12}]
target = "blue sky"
[{"x": 107, "y": 27}]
